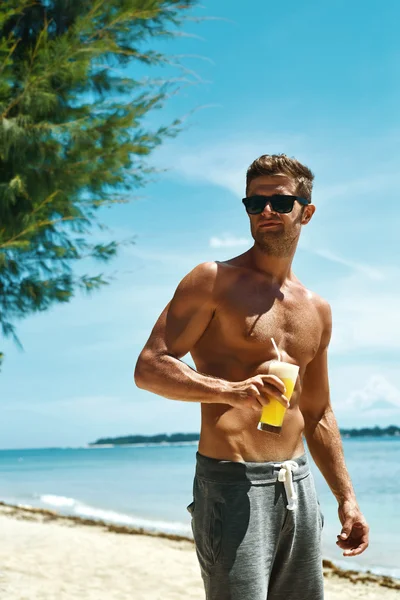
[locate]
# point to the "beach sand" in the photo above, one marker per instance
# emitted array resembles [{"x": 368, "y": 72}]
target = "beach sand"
[{"x": 44, "y": 556}]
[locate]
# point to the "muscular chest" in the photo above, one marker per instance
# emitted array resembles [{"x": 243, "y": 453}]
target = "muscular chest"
[{"x": 251, "y": 315}]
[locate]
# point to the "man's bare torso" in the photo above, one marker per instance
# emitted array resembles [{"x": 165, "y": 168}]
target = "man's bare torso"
[{"x": 236, "y": 345}]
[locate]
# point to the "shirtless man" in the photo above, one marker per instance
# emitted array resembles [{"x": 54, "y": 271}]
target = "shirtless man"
[{"x": 251, "y": 541}]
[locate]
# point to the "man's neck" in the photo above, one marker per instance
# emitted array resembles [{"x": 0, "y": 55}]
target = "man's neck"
[{"x": 276, "y": 267}]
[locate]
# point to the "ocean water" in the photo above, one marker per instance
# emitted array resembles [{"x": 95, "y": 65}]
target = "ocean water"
[{"x": 150, "y": 487}]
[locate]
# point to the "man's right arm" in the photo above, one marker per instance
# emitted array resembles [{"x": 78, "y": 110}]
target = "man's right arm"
[{"x": 179, "y": 327}]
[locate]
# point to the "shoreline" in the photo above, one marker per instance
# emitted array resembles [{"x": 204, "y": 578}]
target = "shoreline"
[
  {"x": 31, "y": 513},
  {"x": 42, "y": 515}
]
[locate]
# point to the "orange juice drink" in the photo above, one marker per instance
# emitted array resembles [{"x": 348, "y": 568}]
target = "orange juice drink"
[{"x": 273, "y": 413}]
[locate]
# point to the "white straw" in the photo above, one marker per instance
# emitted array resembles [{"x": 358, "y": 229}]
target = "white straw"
[{"x": 276, "y": 349}]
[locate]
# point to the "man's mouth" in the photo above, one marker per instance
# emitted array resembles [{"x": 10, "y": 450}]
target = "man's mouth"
[{"x": 270, "y": 224}]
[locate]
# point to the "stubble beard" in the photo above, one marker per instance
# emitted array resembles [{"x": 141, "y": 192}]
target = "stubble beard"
[{"x": 280, "y": 244}]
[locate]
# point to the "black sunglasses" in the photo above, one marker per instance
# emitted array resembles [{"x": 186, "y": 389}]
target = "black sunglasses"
[{"x": 280, "y": 203}]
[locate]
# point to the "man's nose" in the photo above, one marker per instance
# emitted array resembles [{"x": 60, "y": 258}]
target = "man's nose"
[{"x": 267, "y": 208}]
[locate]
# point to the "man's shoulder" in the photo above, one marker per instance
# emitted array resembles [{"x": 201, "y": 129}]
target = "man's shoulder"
[
  {"x": 210, "y": 271},
  {"x": 320, "y": 304},
  {"x": 323, "y": 313},
  {"x": 208, "y": 279},
  {"x": 205, "y": 269},
  {"x": 203, "y": 277}
]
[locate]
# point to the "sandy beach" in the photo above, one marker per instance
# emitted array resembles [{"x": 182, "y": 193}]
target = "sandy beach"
[{"x": 45, "y": 556}]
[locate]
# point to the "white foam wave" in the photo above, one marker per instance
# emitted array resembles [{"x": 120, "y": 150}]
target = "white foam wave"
[
  {"x": 74, "y": 507},
  {"x": 58, "y": 501}
]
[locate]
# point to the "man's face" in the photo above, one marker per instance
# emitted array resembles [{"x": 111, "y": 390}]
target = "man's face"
[{"x": 274, "y": 233}]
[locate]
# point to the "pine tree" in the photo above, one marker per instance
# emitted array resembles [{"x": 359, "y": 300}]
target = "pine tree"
[{"x": 72, "y": 136}]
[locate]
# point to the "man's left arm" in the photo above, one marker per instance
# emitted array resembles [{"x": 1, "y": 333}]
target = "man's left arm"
[{"x": 324, "y": 442}]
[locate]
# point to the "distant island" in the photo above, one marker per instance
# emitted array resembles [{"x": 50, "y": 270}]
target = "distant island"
[
  {"x": 376, "y": 431},
  {"x": 176, "y": 438}
]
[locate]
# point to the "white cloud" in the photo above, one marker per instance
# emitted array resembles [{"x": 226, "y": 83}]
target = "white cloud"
[
  {"x": 365, "y": 312},
  {"x": 377, "y": 182},
  {"x": 375, "y": 390},
  {"x": 224, "y": 164},
  {"x": 364, "y": 269},
  {"x": 354, "y": 331},
  {"x": 365, "y": 392},
  {"x": 184, "y": 260},
  {"x": 227, "y": 240},
  {"x": 366, "y": 322}
]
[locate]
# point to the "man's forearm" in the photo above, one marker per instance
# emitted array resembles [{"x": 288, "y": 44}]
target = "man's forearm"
[
  {"x": 170, "y": 377},
  {"x": 325, "y": 444}
]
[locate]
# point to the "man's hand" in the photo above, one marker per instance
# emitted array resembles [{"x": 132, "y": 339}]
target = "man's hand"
[
  {"x": 254, "y": 392},
  {"x": 354, "y": 538}
]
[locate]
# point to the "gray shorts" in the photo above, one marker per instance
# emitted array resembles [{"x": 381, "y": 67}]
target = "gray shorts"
[{"x": 250, "y": 546}]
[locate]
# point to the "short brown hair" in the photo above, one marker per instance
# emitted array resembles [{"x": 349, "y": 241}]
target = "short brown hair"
[{"x": 280, "y": 164}]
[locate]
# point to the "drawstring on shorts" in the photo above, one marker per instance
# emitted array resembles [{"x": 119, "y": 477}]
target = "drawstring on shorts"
[{"x": 286, "y": 477}]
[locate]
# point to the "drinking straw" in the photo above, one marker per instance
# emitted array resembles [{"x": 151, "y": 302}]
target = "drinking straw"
[{"x": 276, "y": 349}]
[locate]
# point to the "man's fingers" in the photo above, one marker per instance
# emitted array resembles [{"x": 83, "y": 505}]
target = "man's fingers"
[
  {"x": 274, "y": 381},
  {"x": 353, "y": 539},
  {"x": 354, "y": 530},
  {"x": 283, "y": 400},
  {"x": 361, "y": 548},
  {"x": 270, "y": 391},
  {"x": 266, "y": 390},
  {"x": 253, "y": 399},
  {"x": 355, "y": 551},
  {"x": 346, "y": 530},
  {"x": 255, "y": 405},
  {"x": 344, "y": 544}
]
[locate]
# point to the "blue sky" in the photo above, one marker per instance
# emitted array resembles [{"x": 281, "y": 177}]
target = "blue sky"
[{"x": 319, "y": 81}]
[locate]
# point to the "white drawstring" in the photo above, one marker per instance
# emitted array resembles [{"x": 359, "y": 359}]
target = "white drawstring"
[{"x": 286, "y": 476}]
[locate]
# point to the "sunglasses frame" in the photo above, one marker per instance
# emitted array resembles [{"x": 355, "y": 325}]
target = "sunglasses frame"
[{"x": 270, "y": 199}]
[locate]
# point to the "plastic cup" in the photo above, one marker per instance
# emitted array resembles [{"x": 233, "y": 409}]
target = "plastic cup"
[{"x": 273, "y": 413}]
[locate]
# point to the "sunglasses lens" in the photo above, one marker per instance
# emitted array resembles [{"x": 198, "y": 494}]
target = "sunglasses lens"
[
  {"x": 255, "y": 204},
  {"x": 282, "y": 204}
]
